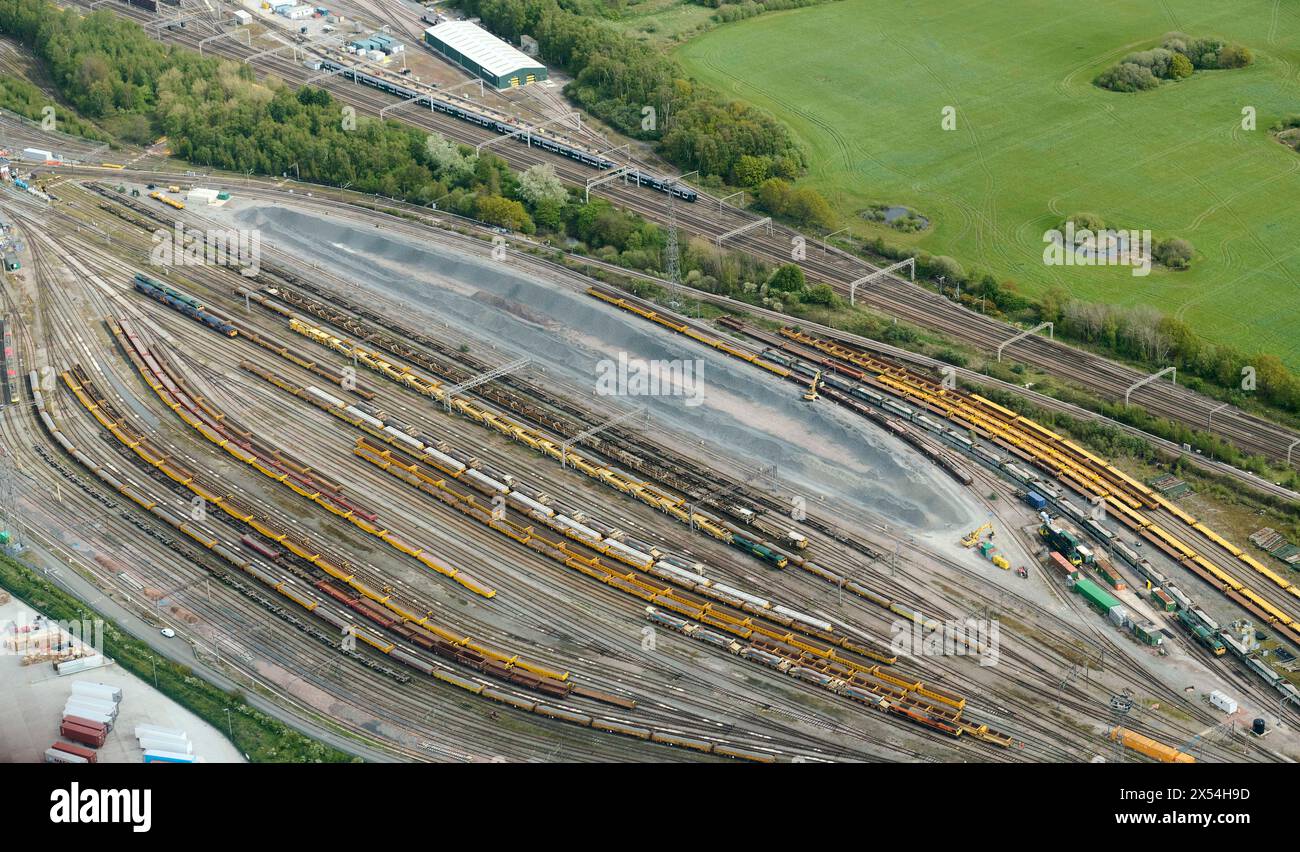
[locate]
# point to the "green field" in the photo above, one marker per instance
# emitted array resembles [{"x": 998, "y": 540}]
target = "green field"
[{"x": 863, "y": 84}]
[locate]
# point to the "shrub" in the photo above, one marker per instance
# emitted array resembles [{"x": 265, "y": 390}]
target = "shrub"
[
  {"x": 788, "y": 279},
  {"x": 1127, "y": 77},
  {"x": 1174, "y": 253},
  {"x": 1157, "y": 61},
  {"x": 1235, "y": 56}
]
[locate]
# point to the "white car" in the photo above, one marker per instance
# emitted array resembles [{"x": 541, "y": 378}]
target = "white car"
[{"x": 168, "y": 632}]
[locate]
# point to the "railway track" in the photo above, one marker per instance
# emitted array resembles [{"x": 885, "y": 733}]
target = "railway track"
[
  {"x": 894, "y": 296},
  {"x": 183, "y": 330},
  {"x": 304, "y": 667}
]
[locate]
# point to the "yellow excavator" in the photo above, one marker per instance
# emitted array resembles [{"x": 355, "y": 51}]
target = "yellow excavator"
[
  {"x": 973, "y": 537},
  {"x": 810, "y": 395}
]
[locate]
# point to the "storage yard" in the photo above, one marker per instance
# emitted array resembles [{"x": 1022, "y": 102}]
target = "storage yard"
[
  {"x": 36, "y": 699},
  {"x": 371, "y": 475}
]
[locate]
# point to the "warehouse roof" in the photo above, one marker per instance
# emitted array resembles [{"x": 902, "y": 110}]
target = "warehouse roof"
[{"x": 478, "y": 45}]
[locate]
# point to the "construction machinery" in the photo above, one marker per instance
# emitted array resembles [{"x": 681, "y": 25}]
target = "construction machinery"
[
  {"x": 810, "y": 395},
  {"x": 973, "y": 537}
]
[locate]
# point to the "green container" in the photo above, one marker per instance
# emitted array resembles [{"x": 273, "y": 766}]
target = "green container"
[
  {"x": 1148, "y": 633},
  {"x": 1095, "y": 595}
]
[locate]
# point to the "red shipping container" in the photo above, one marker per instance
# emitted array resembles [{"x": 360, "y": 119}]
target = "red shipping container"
[
  {"x": 90, "y": 755},
  {"x": 85, "y": 736},
  {"x": 1063, "y": 566},
  {"x": 86, "y": 723},
  {"x": 73, "y": 726}
]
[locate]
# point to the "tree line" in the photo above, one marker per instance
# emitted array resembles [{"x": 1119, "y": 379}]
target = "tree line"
[
  {"x": 645, "y": 94},
  {"x": 217, "y": 114}
]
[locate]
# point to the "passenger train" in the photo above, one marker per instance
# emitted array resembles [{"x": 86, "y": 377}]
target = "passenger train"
[{"x": 546, "y": 143}]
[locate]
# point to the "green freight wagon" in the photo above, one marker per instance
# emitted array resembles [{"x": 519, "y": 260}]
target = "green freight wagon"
[{"x": 1095, "y": 596}]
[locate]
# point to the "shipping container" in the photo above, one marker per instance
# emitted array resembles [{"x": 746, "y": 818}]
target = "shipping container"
[
  {"x": 154, "y": 742},
  {"x": 1095, "y": 596},
  {"x": 101, "y": 691},
  {"x": 81, "y": 664},
  {"x": 167, "y": 757},
  {"x": 1111, "y": 576},
  {"x": 71, "y": 710},
  {"x": 1033, "y": 498},
  {"x": 1062, "y": 567},
  {"x": 1148, "y": 632},
  {"x": 1224, "y": 702},
  {"x": 145, "y": 730},
  {"x": 89, "y": 755},
  {"x": 85, "y": 736},
  {"x": 54, "y": 755},
  {"x": 87, "y": 723},
  {"x": 103, "y": 708},
  {"x": 1163, "y": 600}
]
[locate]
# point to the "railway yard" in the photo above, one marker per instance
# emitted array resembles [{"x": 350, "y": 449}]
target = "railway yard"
[{"x": 368, "y": 479}]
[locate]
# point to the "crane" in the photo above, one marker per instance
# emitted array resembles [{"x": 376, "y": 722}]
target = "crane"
[
  {"x": 810, "y": 395},
  {"x": 973, "y": 537}
]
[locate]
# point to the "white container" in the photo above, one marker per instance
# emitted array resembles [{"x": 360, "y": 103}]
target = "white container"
[
  {"x": 200, "y": 194},
  {"x": 146, "y": 730},
  {"x": 1226, "y": 703},
  {"x": 37, "y": 154},
  {"x": 99, "y": 704},
  {"x": 81, "y": 664},
  {"x": 54, "y": 755},
  {"x": 243, "y": 17},
  {"x": 157, "y": 743},
  {"x": 90, "y": 716},
  {"x": 100, "y": 691},
  {"x": 77, "y": 706},
  {"x": 1118, "y": 615}
]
